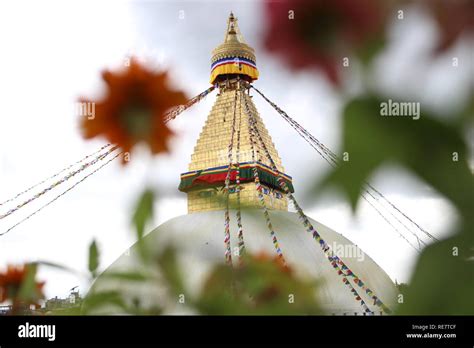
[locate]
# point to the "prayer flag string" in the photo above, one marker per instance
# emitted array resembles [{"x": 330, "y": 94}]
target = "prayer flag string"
[
  {"x": 228, "y": 252},
  {"x": 335, "y": 261},
  {"x": 55, "y": 175},
  {"x": 333, "y": 160},
  {"x": 63, "y": 193},
  {"x": 58, "y": 182},
  {"x": 255, "y": 150},
  {"x": 170, "y": 115},
  {"x": 240, "y": 232}
]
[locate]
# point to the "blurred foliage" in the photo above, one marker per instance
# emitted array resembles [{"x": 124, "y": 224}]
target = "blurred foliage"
[
  {"x": 426, "y": 146},
  {"x": 402, "y": 287},
  {"x": 171, "y": 272},
  {"x": 104, "y": 298},
  {"x": 143, "y": 213},
  {"x": 75, "y": 310},
  {"x": 30, "y": 291},
  {"x": 261, "y": 285},
  {"x": 93, "y": 258},
  {"x": 443, "y": 280}
]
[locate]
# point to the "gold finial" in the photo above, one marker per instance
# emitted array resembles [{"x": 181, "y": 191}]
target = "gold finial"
[
  {"x": 231, "y": 28},
  {"x": 232, "y": 49}
]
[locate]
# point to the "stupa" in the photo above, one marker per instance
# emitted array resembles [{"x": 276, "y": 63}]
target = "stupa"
[{"x": 232, "y": 178}]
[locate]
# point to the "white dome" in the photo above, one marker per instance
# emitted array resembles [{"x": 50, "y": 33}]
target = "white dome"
[{"x": 199, "y": 241}]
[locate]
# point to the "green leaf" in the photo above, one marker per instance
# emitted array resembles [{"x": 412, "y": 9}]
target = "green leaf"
[
  {"x": 371, "y": 48},
  {"x": 105, "y": 298},
  {"x": 28, "y": 291},
  {"x": 93, "y": 258},
  {"x": 170, "y": 270},
  {"x": 143, "y": 213},
  {"x": 443, "y": 281},
  {"x": 426, "y": 146}
]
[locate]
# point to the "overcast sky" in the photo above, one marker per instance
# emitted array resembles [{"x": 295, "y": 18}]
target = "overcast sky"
[{"x": 53, "y": 51}]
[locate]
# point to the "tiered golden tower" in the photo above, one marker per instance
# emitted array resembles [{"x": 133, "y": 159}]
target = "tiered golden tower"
[{"x": 233, "y": 68}]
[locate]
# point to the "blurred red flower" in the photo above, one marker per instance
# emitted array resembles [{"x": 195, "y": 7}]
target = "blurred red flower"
[
  {"x": 133, "y": 110},
  {"x": 11, "y": 283},
  {"x": 319, "y": 33},
  {"x": 263, "y": 258}
]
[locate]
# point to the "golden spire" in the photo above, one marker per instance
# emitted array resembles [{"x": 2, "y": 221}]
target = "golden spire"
[
  {"x": 233, "y": 56},
  {"x": 204, "y": 183},
  {"x": 205, "y": 180}
]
